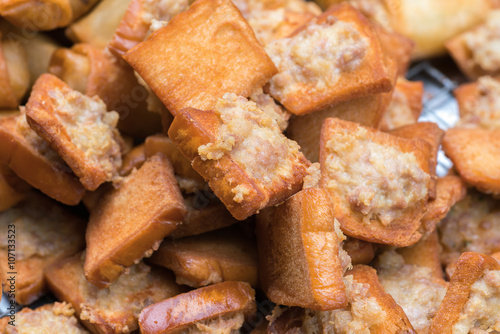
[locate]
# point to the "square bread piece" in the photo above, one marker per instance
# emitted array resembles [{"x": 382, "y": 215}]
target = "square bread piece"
[
  {"x": 78, "y": 128},
  {"x": 472, "y": 301},
  {"x": 45, "y": 232},
  {"x": 301, "y": 260},
  {"x": 49, "y": 318},
  {"x": 370, "y": 310},
  {"x": 332, "y": 59},
  {"x": 218, "y": 308},
  {"x": 14, "y": 71},
  {"x": 379, "y": 182},
  {"x": 115, "y": 309},
  {"x": 130, "y": 222},
  {"x": 200, "y": 55},
  {"x": 214, "y": 257},
  {"x": 240, "y": 150}
]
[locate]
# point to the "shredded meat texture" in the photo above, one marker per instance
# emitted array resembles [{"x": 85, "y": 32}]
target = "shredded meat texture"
[
  {"x": 412, "y": 287},
  {"x": 317, "y": 55},
  {"x": 253, "y": 139},
  {"x": 472, "y": 225},
  {"x": 483, "y": 112},
  {"x": 376, "y": 180},
  {"x": 484, "y": 43},
  {"x": 311, "y": 180},
  {"x": 220, "y": 325},
  {"x": 481, "y": 313},
  {"x": 157, "y": 13}
]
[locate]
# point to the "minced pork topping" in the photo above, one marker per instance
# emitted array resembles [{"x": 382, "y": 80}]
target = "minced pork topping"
[
  {"x": 157, "y": 13},
  {"x": 484, "y": 111},
  {"x": 317, "y": 55},
  {"x": 376, "y": 180},
  {"x": 220, "y": 325},
  {"x": 484, "y": 43},
  {"x": 254, "y": 140}
]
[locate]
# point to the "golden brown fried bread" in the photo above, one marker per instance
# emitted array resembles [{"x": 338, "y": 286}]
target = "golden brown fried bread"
[
  {"x": 218, "y": 256},
  {"x": 405, "y": 106},
  {"x": 413, "y": 287},
  {"x": 49, "y": 318},
  {"x": 14, "y": 72},
  {"x": 379, "y": 182},
  {"x": 114, "y": 309},
  {"x": 472, "y": 300},
  {"x": 240, "y": 150},
  {"x": 432, "y": 135},
  {"x": 221, "y": 307},
  {"x": 210, "y": 35},
  {"x": 44, "y": 233},
  {"x": 479, "y": 103},
  {"x": 472, "y": 225},
  {"x": 43, "y": 15},
  {"x": 330, "y": 60},
  {"x": 301, "y": 261},
  {"x": 475, "y": 153},
  {"x": 133, "y": 159},
  {"x": 64, "y": 118},
  {"x": 12, "y": 188},
  {"x": 450, "y": 189},
  {"x": 131, "y": 221},
  {"x": 360, "y": 252},
  {"x": 396, "y": 46},
  {"x": 475, "y": 51},
  {"x": 93, "y": 71},
  {"x": 98, "y": 27},
  {"x": 32, "y": 159}
]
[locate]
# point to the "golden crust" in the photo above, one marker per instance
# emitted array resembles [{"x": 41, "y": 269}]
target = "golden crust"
[
  {"x": 368, "y": 74},
  {"x": 403, "y": 228},
  {"x": 46, "y": 233},
  {"x": 396, "y": 46},
  {"x": 470, "y": 268},
  {"x": 12, "y": 188},
  {"x": 135, "y": 158},
  {"x": 226, "y": 176},
  {"x": 214, "y": 257},
  {"x": 15, "y": 76},
  {"x": 482, "y": 171},
  {"x": 301, "y": 229},
  {"x": 211, "y": 33},
  {"x": 144, "y": 209},
  {"x": 185, "y": 311},
  {"x": 360, "y": 252},
  {"x": 53, "y": 111},
  {"x": 115, "y": 309},
  {"x": 46, "y": 172}
]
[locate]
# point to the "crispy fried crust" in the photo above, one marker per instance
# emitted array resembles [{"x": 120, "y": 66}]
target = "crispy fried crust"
[
  {"x": 116, "y": 309},
  {"x": 12, "y": 188},
  {"x": 402, "y": 231},
  {"x": 11, "y": 69},
  {"x": 360, "y": 252},
  {"x": 210, "y": 34},
  {"x": 482, "y": 171},
  {"x": 133, "y": 159},
  {"x": 218, "y": 256},
  {"x": 396, "y": 46},
  {"x": 183, "y": 312},
  {"x": 431, "y": 134},
  {"x": 369, "y": 77},
  {"x": 470, "y": 268},
  {"x": 301, "y": 229},
  {"x": 193, "y": 128},
  {"x": 51, "y": 176},
  {"x": 146, "y": 208}
]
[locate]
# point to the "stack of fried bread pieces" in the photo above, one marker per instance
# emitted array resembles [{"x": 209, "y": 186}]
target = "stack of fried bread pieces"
[{"x": 246, "y": 166}]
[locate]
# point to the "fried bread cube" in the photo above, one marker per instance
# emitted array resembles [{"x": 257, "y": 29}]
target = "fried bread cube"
[
  {"x": 65, "y": 118},
  {"x": 43, "y": 15},
  {"x": 49, "y": 318},
  {"x": 370, "y": 310},
  {"x": 45, "y": 232},
  {"x": 240, "y": 150},
  {"x": 220, "y": 307},
  {"x": 462, "y": 146},
  {"x": 214, "y": 257},
  {"x": 114, "y": 309},
  {"x": 14, "y": 72},
  {"x": 472, "y": 225},
  {"x": 472, "y": 300},
  {"x": 413, "y": 287},
  {"x": 396, "y": 46},
  {"x": 135, "y": 158},
  {"x": 476, "y": 50},
  {"x": 405, "y": 106},
  {"x": 479, "y": 103},
  {"x": 12, "y": 188},
  {"x": 34, "y": 161},
  {"x": 332, "y": 59},
  {"x": 211, "y": 37},
  {"x": 301, "y": 261},
  {"x": 129, "y": 223},
  {"x": 379, "y": 182}
]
